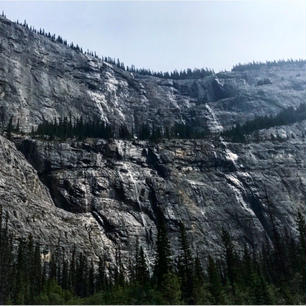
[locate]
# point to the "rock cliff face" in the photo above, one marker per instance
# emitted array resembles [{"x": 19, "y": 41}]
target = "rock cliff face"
[
  {"x": 119, "y": 185},
  {"x": 32, "y": 211},
  {"x": 100, "y": 194},
  {"x": 41, "y": 79}
]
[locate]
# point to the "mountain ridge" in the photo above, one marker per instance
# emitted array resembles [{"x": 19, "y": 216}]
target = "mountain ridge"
[
  {"x": 92, "y": 87},
  {"x": 101, "y": 194}
]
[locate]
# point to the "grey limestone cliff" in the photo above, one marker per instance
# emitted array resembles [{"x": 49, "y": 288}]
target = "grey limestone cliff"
[
  {"x": 119, "y": 185},
  {"x": 41, "y": 79},
  {"x": 100, "y": 194}
]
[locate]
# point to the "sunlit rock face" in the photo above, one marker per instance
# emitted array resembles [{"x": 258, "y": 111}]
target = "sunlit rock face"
[
  {"x": 206, "y": 185},
  {"x": 32, "y": 211},
  {"x": 41, "y": 79},
  {"x": 100, "y": 195}
]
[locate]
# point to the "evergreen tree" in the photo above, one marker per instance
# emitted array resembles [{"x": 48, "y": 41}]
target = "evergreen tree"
[
  {"x": 23, "y": 280},
  {"x": 141, "y": 270},
  {"x": 64, "y": 282},
  {"x": 186, "y": 267},
  {"x": 81, "y": 276},
  {"x": 231, "y": 259},
  {"x": 119, "y": 272},
  {"x": 215, "y": 286},
  {"x": 102, "y": 282},
  {"x": 170, "y": 288},
  {"x": 91, "y": 280},
  {"x": 302, "y": 249},
  {"x": 302, "y": 232},
  {"x": 200, "y": 294},
  {"x": 163, "y": 262}
]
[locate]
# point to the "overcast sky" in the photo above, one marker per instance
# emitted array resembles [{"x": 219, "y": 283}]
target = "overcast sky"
[{"x": 167, "y": 35}]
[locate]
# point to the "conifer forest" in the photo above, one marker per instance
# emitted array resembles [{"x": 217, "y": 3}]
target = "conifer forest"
[{"x": 273, "y": 275}]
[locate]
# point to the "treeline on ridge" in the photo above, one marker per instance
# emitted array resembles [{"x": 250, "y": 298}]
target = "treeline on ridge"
[
  {"x": 273, "y": 275},
  {"x": 189, "y": 73},
  {"x": 195, "y": 73},
  {"x": 257, "y": 65}
]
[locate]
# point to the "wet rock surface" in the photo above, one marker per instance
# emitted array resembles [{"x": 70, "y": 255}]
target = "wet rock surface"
[
  {"x": 42, "y": 80},
  {"x": 100, "y": 195},
  {"x": 32, "y": 211},
  {"x": 207, "y": 185}
]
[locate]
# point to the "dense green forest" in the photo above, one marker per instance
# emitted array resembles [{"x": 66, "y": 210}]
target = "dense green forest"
[{"x": 273, "y": 275}]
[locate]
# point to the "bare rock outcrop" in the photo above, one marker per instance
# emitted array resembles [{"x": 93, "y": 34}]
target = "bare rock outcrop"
[
  {"x": 41, "y": 79},
  {"x": 99, "y": 195}
]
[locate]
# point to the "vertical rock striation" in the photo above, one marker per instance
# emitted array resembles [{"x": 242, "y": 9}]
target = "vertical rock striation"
[{"x": 99, "y": 194}]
